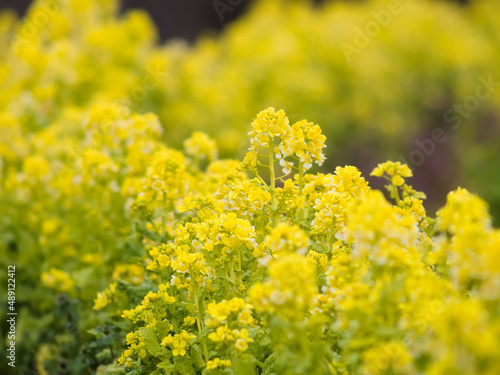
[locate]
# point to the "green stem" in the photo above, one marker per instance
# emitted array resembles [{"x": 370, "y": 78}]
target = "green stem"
[
  {"x": 261, "y": 179},
  {"x": 138, "y": 365},
  {"x": 240, "y": 277},
  {"x": 272, "y": 178},
  {"x": 165, "y": 358},
  {"x": 199, "y": 321},
  {"x": 176, "y": 326},
  {"x": 332, "y": 235},
  {"x": 396, "y": 194},
  {"x": 233, "y": 279},
  {"x": 153, "y": 225},
  {"x": 301, "y": 177},
  {"x": 302, "y": 211},
  {"x": 163, "y": 216}
]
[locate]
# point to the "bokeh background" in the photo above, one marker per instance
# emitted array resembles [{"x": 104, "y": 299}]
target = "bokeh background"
[
  {"x": 178, "y": 19},
  {"x": 392, "y": 93}
]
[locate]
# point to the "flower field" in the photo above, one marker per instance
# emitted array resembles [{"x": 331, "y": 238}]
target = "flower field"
[{"x": 164, "y": 215}]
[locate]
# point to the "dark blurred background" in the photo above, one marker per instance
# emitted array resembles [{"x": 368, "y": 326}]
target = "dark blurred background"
[
  {"x": 174, "y": 18},
  {"x": 179, "y": 19}
]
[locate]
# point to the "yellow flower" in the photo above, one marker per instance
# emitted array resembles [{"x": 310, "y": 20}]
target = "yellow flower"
[
  {"x": 245, "y": 317},
  {"x": 218, "y": 363},
  {"x": 306, "y": 143},
  {"x": 392, "y": 169},
  {"x": 179, "y": 346},
  {"x": 285, "y": 238},
  {"x": 289, "y": 291},
  {"x": 241, "y": 345},
  {"x": 463, "y": 210},
  {"x": 103, "y": 298},
  {"x": 167, "y": 341},
  {"x": 186, "y": 336},
  {"x": 189, "y": 320},
  {"x": 267, "y": 125},
  {"x": 219, "y": 335}
]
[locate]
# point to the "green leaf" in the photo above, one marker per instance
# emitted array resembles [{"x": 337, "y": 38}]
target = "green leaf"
[
  {"x": 166, "y": 365},
  {"x": 112, "y": 369},
  {"x": 163, "y": 328},
  {"x": 151, "y": 343},
  {"x": 221, "y": 275},
  {"x": 140, "y": 229},
  {"x": 136, "y": 293},
  {"x": 245, "y": 366},
  {"x": 196, "y": 356},
  {"x": 152, "y": 235},
  {"x": 136, "y": 260}
]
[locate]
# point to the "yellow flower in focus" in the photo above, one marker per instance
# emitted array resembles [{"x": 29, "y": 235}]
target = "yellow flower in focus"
[
  {"x": 179, "y": 347},
  {"x": 268, "y": 124}
]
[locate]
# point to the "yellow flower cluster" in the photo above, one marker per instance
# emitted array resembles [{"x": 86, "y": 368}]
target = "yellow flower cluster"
[
  {"x": 239, "y": 337},
  {"x": 178, "y": 342},
  {"x": 319, "y": 273},
  {"x": 268, "y": 125},
  {"x": 306, "y": 142},
  {"x": 152, "y": 308},
  {"x": 302, "y": 141},
  {"x": 220, "y": 311},
  {"x": 345, "y": 278},
  {"x": 285, "y": 238},
  {"x": 218, "y": 363},
  {"x": 290, "y": 290}
]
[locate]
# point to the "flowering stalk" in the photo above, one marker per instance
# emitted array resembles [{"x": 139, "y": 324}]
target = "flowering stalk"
[
  {"x": 272, "y": 178},
  {"x": 199, "y": 321},
  {"x": 233, "y": 278},
  {"x": 163, "y": 219},
  {"x": 340, "y": 246},
  {"x": 332, "y": 233},
  {"x": 301, "y": 177},
  {"x": 165, "y": 356}
]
